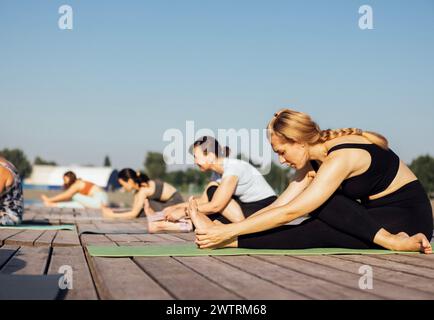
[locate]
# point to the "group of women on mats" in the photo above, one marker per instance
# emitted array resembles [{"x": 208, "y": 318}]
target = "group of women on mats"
[{"x": 350, "y": 190}]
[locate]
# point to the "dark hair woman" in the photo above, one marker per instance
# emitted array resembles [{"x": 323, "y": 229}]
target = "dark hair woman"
[
  {"x": 239, "y": 189},
  {"x": 357, "y": 191},
  {"x": 78, "y": 194},
  {"x": 151, "y": 197}
]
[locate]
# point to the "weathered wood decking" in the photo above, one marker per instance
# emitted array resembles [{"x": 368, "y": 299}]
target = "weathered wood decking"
[{"x": 234, "y": 277}]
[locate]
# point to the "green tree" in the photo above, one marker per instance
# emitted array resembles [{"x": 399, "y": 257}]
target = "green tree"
[
  {"x": 278, "y": 177},
  {"x": 19, "y": 160},
  {"x": 107, "y": 162},
  {"x": 42, "y": 162},
  {"x": 155, "y": 165},
  {"x": 423, "y": 168}
]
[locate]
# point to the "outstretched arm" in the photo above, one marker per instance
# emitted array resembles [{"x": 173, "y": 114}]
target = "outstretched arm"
[
  {"x": 66, "y": 195},
  {"x": 300, "y": 182},
  {"x": 139, "y": 201},
  {"x": 221, "y": 197},
  {"x": 329, "y": 177}
]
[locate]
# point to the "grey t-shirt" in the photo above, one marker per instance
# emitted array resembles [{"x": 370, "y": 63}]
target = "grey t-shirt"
[{"x": 251, "y": 185}]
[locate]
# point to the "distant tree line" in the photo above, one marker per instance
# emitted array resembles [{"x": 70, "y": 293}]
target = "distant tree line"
[{"x": 193, "y": 181}]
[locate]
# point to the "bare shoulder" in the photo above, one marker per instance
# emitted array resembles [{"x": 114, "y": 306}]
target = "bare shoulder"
[
  {"x": 353, "y": 161},
  {"x": 78, "y": 185},
  {"x": 143, "y": 192},
  {"x": 4, "y": 174}
]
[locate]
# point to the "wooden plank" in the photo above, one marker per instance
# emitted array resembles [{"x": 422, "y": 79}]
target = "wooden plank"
[
  {"x": 170, "y": 238},
  {"x": 54, "y": 216},
  {"x": 120, "y": 226},
  {"x": 88, "y": 225},
  {"x": 191, "y": 236},
  {"x": 67, "y": 219},
  {"x": 101, "y": 225},
  {"x": 83, "y": 288},
  {"x": 46, "y": 239},
  {"x": 289, "y": 273},
  {"x": 237, "y": 281},
  {"x": 28, "y": 260},
  {"x": 93, "y": 212},
  {"x": 139, "y": 226},
  {"x": 400, "y": 279},
  {"x": 25, "y": 238},
  {"x": 66, "y": 238},
  {"x": 408, "y": 259},
  {"x": 391, "y": 265},
  {"x": 122, "y": 238},
  {"x": 121, "y": 279},
  {"x": 348, "y": 278},
  {"x": 7, "y": 233},
  {"x": 95, "y": 239},
  {"x": 28, "y": 215},
  {"x": 182, "y": 282},
  {"x": 6, "y": 252},
  {"x": 150, "y": 238}
]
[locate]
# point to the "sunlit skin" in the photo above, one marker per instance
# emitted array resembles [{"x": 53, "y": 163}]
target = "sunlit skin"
[
  {"x": 67, "y": 195},
  {"x": 6, "y": 178},
  {"x": 141, "y": 202},
  {"x": 222, "y": 201},
  {"x": 307, "y": 192}
]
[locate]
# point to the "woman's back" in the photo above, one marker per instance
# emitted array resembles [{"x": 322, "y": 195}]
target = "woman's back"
[{"x": 378, "y": 172}]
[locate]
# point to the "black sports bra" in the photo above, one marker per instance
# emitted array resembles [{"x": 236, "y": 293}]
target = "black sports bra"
[
  {"x": 380, "y": 174},
  {"x": 158, "y": 190}
]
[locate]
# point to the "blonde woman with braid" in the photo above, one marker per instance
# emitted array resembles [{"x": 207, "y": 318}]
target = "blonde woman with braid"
[{"x": 356, "y": 190}]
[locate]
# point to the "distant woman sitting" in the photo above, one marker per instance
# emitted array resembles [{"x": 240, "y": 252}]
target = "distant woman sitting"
[
  {"x": 11, "y": 194},
  {"x": 78, "y": 194},
  {"x": 150, "y": 199}
]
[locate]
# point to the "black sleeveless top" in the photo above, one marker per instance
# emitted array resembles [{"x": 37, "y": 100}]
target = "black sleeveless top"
[
  {"x": 380, "y": 174},
  {"x": 158, "y": 190}
]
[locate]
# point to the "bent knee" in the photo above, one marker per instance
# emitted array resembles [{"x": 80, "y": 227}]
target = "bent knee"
[{"x": 210, "y": 191}]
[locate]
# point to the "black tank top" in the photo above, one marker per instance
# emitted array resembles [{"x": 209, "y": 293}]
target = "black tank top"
[
  {"x": 158, "y": 190},
  {"x": 383, "y": 169}
]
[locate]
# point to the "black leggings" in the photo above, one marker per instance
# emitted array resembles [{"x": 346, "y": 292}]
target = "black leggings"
[
  {"x": 248, "y": 208},
  {"x": 346, "y": 223}
]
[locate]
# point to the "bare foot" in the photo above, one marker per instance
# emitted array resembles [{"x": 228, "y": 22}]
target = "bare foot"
[
  {"x": 418, "y": 242},
  {"x": 153, "y": 227},
  {"x": 199, "y": 220},
  {"x": 403, "y": 235},
  {"x": 185, "y": 225},
  {"x": 166, "y": 226}
]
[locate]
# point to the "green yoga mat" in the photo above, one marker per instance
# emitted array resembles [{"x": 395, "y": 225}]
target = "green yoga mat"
[
  {"x": 191, "y": 250},
  {"x": 41, "y": 227}
]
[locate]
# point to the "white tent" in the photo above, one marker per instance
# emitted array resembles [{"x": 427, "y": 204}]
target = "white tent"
[{"x": 52, "y": 176}]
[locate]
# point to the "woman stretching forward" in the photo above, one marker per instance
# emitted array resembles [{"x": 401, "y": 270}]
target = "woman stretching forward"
[
  {"x": 150, "y": 198},
  {"x": 238, "y": 191},
  {"x": 78, "y": 194},
  {"x": 356, "y": 190}
]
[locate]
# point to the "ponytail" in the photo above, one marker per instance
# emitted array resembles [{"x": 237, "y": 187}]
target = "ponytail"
[
  {"x": 296, "y": 126},
  {"x": 209, "y": 144},
  {"x": 373, "y": 137},
  {"x": 138, "y": 177}
]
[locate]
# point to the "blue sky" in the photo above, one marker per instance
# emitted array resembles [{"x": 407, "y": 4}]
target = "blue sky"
[{"x": 129, "y": 70}]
